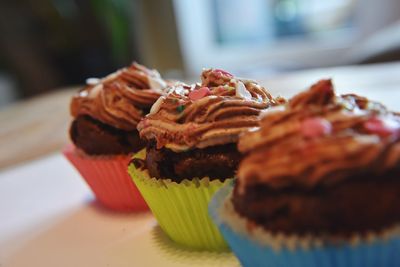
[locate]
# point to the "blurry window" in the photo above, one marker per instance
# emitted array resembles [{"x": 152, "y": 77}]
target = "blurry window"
[{"x": 266, "y": 21}]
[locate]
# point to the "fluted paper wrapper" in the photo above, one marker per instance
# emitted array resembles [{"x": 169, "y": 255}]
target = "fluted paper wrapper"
[
  {"x": 108, "y": 178},
  {"x": 181, "y": 209},
  {"x": 260, "y": 248}
]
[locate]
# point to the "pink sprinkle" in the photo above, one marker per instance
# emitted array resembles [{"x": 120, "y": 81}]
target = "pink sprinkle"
[
  {"x": 315, "y": 127},
  {"x": 222, "y": 72},
  {"x": 199, "y": 93},
  {"x": 380, "y": 127}
]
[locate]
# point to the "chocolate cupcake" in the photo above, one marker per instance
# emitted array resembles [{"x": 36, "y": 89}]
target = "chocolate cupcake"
[
  {"x": 103, "y": 131},
  {"x": 318, "y": 185},
  {"x": 192, "y": 134},
  {"x": 107, "y": 111}
]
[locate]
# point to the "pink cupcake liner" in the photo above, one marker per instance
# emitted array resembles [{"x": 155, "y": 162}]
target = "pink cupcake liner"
[{"x": 108, "y": 178}]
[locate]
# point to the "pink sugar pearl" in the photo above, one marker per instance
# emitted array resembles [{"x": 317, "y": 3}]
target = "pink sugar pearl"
[
  {"x": 315, "y": 127},
  {"x": 199, "y": 93}
]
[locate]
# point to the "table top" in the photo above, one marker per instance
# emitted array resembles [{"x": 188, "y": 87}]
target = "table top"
[
  {"x": 34, "y": 127},
  {"x": 49, "y": 218}
]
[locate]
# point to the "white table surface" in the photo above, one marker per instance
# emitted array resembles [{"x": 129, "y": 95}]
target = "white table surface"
[{"x": 48, "y": 218}]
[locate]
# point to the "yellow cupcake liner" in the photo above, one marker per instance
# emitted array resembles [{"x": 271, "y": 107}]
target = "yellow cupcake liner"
[{"x": 181, "y": 209}]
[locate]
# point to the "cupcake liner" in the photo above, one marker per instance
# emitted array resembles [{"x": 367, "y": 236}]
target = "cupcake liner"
[
  {"x": 181, "y": 209},
  {"x": 108, "y": 178},
  {"x": 254, "y": 249}
]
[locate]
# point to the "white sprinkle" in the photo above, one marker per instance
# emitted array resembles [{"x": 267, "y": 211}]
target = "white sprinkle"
[
  {"x": 84, "y": 93},
  {"x": 179, "y": 89},
  {"x": 241, "y": 91},
  {"x": 157, "y": 105},
  {"x": 253, "y": 129},
  {"x": 92, "y": 81}
]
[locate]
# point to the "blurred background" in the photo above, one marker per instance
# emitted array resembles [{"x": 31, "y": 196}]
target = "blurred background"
[{"x": 46, "y": 45}]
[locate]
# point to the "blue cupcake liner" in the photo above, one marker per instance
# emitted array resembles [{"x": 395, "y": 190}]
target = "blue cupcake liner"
[{"x": 251, "y": 253}]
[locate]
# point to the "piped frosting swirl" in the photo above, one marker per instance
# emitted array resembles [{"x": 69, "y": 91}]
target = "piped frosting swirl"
[
  {"x": 320, "y": 139},
  {"x": 213, "y": 112},
  {"x": 122, "y": 98}
]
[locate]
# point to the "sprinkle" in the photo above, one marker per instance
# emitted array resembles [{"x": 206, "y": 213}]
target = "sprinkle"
[
  {"x": 199, "y": 93},
  {"x": 180, "y": 90},
  {"x": 157, "y": 105},
  {"x": 180, "y": 108},
  {"x": 242, "y": 92},
  {"x": 92, "y": 81},
  {"x": 84, "y": 93},
  {"x": 315, "y": 127},
  {"x": 382, "y": 127}
]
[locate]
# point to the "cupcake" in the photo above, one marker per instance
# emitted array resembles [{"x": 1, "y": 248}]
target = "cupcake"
[
  {"x": 191, "y": 151},
  {"x": 104, "y": 136},
  {"x": 318, "y": 185}
]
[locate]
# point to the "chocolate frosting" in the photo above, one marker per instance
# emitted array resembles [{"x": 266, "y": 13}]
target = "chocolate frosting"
[
  {"x": 320, "y": 139},
  {"x": 121, "y": 99},
  {"x": 213, "y": 112}
]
